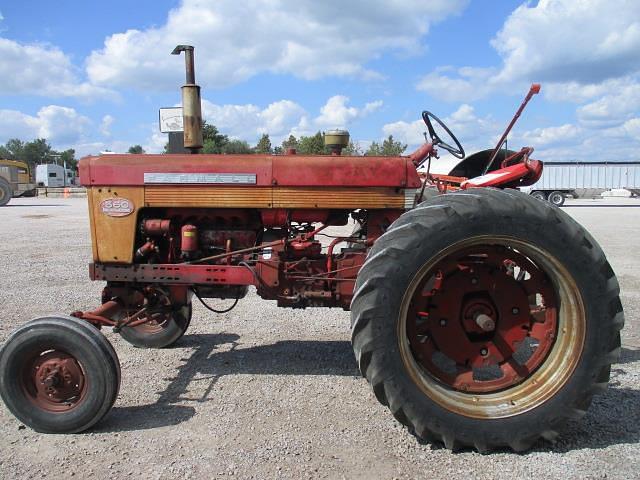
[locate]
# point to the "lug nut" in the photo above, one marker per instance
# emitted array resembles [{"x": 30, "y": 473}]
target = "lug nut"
[{"x": 515, "y": 310}]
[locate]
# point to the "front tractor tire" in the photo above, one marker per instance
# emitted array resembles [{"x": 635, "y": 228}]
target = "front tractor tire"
[
  {"x": 58, "y": 374},
  {"x": 486, "y": 319}
]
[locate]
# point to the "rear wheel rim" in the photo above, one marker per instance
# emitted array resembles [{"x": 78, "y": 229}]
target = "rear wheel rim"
[{"x": 499, "y": 346}]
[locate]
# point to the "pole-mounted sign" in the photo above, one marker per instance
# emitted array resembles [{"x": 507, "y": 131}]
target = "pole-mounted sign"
[{"x": 171, "y": 119}]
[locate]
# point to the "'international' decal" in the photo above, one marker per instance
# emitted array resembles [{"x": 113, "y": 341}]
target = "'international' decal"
[{"x": 200, "y": 178}]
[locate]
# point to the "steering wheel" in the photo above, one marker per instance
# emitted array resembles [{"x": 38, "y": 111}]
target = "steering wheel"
[{"x": 436, "y": 140}]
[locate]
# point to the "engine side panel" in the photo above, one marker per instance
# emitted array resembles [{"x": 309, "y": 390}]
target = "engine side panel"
[{"x": 113, "y": 233}]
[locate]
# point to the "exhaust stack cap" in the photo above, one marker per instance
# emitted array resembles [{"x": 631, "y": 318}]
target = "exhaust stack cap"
[{"x": 191, "y": 108}]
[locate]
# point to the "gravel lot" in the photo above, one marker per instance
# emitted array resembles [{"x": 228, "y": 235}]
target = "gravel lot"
[{"x": 263, "y": 392}]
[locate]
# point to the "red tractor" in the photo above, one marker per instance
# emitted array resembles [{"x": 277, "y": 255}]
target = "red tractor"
[{"x": 481, "y": 317}]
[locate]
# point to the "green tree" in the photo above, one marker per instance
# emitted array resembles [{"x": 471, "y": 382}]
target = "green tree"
[
  {"x": 264, "y": 144},
  {"x": 389, "y": 148},
  {"x": 374, "y": 150},
  {"x": 38, "y": 151},
  {"x": 353, "y": 149},
  {"x": 313, "y": 145},
  {"x": 68, "y": 158},
  {"x": 136, "y": 149},
  {"x": 235, "y": 147},
  {"x": 12, "y": 150},
  {"x": 214, "y": 141},
  {"x": 291, "y": 142}
]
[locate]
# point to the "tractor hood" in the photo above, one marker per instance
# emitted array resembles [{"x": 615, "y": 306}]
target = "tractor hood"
[{"x": 258, "y": 170}]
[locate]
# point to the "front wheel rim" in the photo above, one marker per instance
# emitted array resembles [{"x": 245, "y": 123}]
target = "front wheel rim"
[
  {"x": 475, "y": 316},
  {"x": 53, "y": 380}
]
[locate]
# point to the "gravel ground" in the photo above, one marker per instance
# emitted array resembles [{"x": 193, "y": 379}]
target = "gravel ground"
[{"x": 263, "y": 392}]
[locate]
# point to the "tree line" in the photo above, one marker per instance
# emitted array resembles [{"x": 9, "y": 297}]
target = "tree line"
[
  {"x": 37, "y": 151},
  {"x": 216, "y": 142}
]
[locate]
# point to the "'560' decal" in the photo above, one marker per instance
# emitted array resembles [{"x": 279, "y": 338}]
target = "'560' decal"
[{"x": 117, "y": 207}]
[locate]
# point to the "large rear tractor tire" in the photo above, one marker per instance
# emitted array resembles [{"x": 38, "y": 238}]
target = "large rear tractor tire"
[
  {"x": 5, "y": 192},
  {"x": 58, "y": 374},
  {"x": 486, "y": 319}
]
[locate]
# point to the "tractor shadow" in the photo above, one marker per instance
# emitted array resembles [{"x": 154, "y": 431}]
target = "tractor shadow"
[
  {"x": 612, "y": 419},
  {"x": 216, "y": 355}
]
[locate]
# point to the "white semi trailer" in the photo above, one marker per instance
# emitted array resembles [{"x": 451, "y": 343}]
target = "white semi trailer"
[{"x": 562, "y": 179}]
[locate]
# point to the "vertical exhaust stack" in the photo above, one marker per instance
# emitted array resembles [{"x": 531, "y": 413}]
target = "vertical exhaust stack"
[{"x": 191, "y": 109}]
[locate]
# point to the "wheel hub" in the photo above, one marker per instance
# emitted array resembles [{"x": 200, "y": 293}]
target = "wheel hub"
[
  {"x": 55, "y": 381},
  {"x": 484, "y": 319},
  {"x": 479, "y": 315}
]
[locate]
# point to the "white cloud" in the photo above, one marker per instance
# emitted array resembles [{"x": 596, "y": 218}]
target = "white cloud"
[
  {"x": 15, "y": 124},
  {"x": 336, "y": 114},
  {"x": 552, "y": 136},
  {"x": 156, "y": 142},
  {"x": 278, "y": 117},
  {"x": 571, "y": 46},
  {"x": 249, "y": 121},
  {"x": 61, "y": 126},
  {"x": 467, "y": 85},
  {"x": 105, "y": 125},
  {"x": 580, "y": 93},
  {"x": 612, "y": 109},
  {"x": 584, "y": 141},
  {"x": 632, "y": 128},
  {"x": 37, "y": 69},
  {"x": 282, "y": 118},
  {"x": 237, "y": 40},
  {"x": 586, "y": 41},
  {"x": 406, "y": 132}
]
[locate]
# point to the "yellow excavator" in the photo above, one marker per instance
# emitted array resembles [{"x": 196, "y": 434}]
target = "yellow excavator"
[{"x": 15, "y": 181}]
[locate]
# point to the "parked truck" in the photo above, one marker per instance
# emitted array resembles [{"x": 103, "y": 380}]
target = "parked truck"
[
  {"x": 15, "y": 180},
  {"x": 562, "y": 179},
  {"x": 52, "y": 175}
]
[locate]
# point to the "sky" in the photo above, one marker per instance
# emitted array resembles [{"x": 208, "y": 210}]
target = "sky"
[{"x": 92, "y": 75}]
